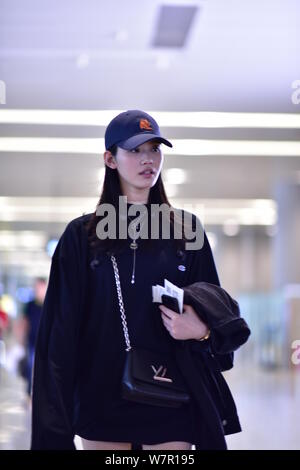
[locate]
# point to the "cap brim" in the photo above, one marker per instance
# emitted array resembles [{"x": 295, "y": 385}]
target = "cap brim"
[{"x": 140, "y": 139}]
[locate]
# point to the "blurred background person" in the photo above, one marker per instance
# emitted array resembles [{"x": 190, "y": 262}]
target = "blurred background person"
[
  {"x": 32, "y": 315},
  {"x": 4, "y": 325},
  {"x": 4, "y": 321}
]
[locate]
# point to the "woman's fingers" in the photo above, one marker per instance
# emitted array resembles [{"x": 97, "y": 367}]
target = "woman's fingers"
[
  {"x": 167, "y": 322},
  {"x": 168, "y": 312},
  {"x": 166, "y": 319}
]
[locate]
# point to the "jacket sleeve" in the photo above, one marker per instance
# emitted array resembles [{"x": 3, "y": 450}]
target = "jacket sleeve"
[
  {"x": 57, "y": 345},
  {"x": 221, "y": 313}
]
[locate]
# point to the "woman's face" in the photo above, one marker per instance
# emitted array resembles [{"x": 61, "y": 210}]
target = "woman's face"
[{"x": 139, "y": 168}]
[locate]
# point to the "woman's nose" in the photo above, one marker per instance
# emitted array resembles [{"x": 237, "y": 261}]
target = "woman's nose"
[{"x": 146, "y": 159}]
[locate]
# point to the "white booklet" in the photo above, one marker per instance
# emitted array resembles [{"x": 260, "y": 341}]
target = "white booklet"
[{"x": 168, "y": 289}]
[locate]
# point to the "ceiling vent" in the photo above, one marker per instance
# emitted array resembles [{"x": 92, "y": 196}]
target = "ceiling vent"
[{"x": 173, "y": 25}]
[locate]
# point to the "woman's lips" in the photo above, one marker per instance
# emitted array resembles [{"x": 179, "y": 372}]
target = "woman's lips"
[{"x": 147, "y": 174}]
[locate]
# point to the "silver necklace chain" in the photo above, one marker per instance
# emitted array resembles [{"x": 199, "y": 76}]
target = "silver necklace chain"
[{"x": 134, "y": 246}]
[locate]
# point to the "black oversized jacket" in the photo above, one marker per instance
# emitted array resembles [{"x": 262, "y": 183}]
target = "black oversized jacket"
[
  {"x": 77, "y": 322},
  {"x": 202, "y": 363}
]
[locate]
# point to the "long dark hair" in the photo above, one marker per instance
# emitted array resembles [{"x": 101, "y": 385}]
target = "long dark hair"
[{"x": 111, "y": 191}]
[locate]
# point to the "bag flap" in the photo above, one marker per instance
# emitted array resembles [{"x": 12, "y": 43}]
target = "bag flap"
[{"x": 146, "y": 364}]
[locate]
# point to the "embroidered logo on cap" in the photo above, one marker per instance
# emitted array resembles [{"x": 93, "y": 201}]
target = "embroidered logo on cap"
[{"x": 145, "y": 124}]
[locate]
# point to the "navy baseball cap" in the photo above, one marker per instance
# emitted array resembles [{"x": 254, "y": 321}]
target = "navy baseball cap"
[{"x": 132, "y": 128}]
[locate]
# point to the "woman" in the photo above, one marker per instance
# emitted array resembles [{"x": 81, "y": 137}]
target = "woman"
[{"x": 80, "y": 350}]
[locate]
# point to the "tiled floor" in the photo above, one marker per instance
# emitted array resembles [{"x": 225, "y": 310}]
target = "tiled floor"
[
  {"x": 14, "y": 413},
  {"x": 268, "y": 404}
]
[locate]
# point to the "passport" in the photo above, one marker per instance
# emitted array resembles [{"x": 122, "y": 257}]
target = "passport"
[{"x": 170, "y": 295}]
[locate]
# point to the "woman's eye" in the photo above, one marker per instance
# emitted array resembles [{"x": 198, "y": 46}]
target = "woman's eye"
[{"x": 155, "y": 148}]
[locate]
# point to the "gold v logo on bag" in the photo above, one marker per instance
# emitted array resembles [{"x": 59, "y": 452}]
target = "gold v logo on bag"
[{"x": 162, "y": 371}]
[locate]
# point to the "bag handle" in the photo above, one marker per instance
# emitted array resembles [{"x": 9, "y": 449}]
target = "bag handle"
[{"x": 121, "y": 303}]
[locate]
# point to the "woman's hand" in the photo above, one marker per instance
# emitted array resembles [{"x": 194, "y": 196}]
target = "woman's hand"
[{"x": 186, "y": 325}]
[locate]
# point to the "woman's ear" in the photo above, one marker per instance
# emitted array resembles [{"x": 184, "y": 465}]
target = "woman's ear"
[{"x": 109, "y": 160}]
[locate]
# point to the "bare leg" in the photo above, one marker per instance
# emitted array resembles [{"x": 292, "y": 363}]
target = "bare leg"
[
  {"x": 176, "y": 445},
  {"x": 103, "y": 445}
]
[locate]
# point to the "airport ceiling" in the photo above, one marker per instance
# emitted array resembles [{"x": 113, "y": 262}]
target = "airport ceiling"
[{"x": 202, "y": 56}]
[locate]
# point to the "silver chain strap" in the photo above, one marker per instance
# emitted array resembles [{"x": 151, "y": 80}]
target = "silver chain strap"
[{"x": 121, "y": 303}]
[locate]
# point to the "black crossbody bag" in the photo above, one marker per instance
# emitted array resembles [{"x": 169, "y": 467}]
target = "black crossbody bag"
[{"x": 149, "y": 377}]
